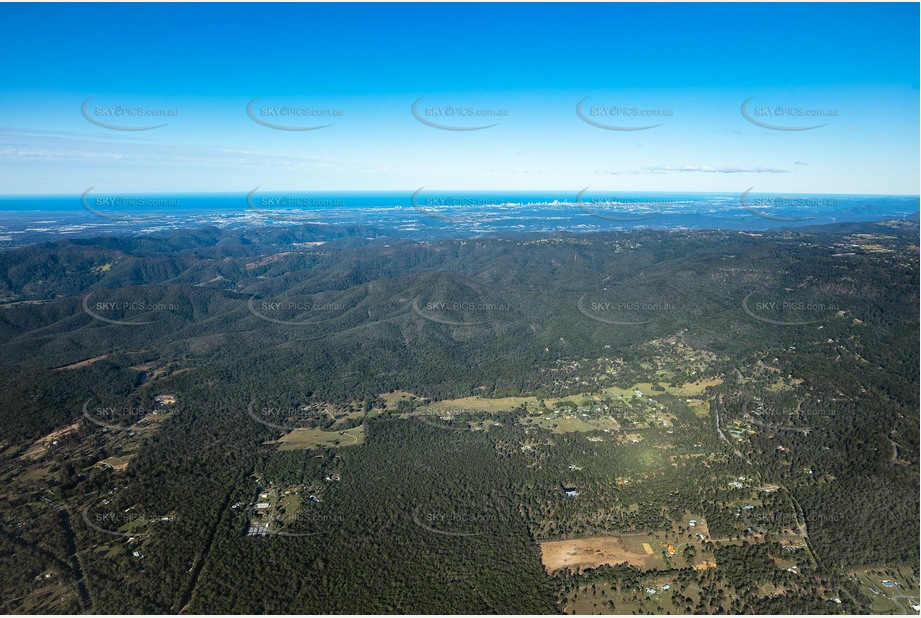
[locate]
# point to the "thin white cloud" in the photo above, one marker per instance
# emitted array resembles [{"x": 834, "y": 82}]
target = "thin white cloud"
[
  {"x": 18, "y": 145},
  {"x": 707, "y": 169}
]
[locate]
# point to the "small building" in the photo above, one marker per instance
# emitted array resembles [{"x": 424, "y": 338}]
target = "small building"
[
  {"x": 692, "y": 523},
  {"x": 571, "y": 492},
  {"x": 261, "y": 505}
]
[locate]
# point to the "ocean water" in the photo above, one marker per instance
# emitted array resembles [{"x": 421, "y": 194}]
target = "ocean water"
[{"x": 434, "y": 214}]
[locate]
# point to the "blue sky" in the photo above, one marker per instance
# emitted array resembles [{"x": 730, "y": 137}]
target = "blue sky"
[{"x": 688, "y": 68}]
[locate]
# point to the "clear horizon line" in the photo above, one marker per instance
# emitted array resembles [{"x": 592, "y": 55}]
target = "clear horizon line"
[{"x": 409, "y": 192}]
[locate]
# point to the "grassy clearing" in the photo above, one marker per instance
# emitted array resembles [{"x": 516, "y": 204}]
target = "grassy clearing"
[
  {"x": 305, "y": 438},
  {"x": 896, "y": 599},
  {"x": 118, "y": 463},
  {"x": 569, "y": 423},
  {"x": 700, "y": 408},
  {"x": 394, "y": 398},
  {"x": 506, "y": 404},
  {"x": 481, "y": 404}
]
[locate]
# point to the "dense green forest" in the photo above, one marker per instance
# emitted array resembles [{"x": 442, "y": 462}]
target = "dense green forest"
[{"x": 146, "y": 380}]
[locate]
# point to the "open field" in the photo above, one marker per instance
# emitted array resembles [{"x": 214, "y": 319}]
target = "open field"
[
  {"x": 901, "y": 597},
  {"x": 690, "y": 389},
  {"x": 701, "y": 409},
  {"x": 303, "y": 438},
  {"x": 506, "y": 404},
  {"x": 643, "y": 551},
  {"x": 481, "y": 404},
  {"x": 119, "y": 463},
  {"x": 694, "y": 388},
  {"x": 41, "y": 446},
  {"x": 581, "y": 554},
  {"x": 569, "y": 423},
  {"x": 394, "y": 398},
  {"x": 83, "y": 363}
]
